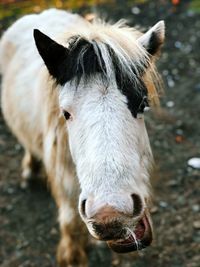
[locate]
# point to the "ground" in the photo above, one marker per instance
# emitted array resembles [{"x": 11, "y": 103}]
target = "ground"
[{"x": 29, "y": 229}]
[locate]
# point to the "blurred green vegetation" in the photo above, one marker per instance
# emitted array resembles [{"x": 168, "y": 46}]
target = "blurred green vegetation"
[
  {"x": 195, "y": 5},
  {"x": 11, "y": 8},
  {"x": 16, "y": 8}
]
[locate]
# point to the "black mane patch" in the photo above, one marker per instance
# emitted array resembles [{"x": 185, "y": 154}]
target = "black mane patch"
[
  {"x": 84, "y": 61},
  {"x": 134, "y": 89}
]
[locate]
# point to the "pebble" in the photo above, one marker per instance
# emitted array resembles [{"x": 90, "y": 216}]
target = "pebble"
[
  {"x": 196, "y": 208},
  {"x": 174, "y": 71},
  {"x": 170, "y": 82},
  {"x": 9, "y": 207},
  {"x": 179, "y": 132},
  {"x": 53, "y": 231},
  {"x": 135, "y": 10},
  {"x": 181, "y": 200},
  {"x": 196, "y": 224},
  {"x": 165, "y": 72},
  {"x": 179, "y": 123},
  {"x": 115, "y": 262},
  {"x": 163, "y": 204},
  {"x": 10, "y": 190},
  {"x": 178, "y": 44},
  {"x": 194, "y": 163},
  {"x": 172, "y": 183},
  {"x": 170, "y": 104}
]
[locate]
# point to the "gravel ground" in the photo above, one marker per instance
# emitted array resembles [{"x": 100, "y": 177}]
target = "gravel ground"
[{"x": 28, "y": 226}]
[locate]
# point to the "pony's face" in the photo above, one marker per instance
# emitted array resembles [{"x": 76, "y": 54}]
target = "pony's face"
[
  {"x": 108, "y": 139},
  {"x": 112, "y": 154}
]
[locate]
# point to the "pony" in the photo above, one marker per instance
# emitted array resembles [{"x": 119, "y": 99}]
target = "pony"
[{"x": 74, "y": 93}]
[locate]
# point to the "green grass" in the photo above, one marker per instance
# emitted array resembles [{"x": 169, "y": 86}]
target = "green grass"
[{"x": 195, "y": 6}]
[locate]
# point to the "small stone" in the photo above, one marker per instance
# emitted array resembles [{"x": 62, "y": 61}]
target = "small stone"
[
  {"x": 135, "y": 10},
  {"x": 53, "y": 231},
  {"x": 172, "y": 183},
  {"x": 165, "y": 72},
  {"x": 163, "y": 204},
  {"x": 178, "y": 44},
  {"x": 181, "y": 200},
  {"x": 170, "y": 104},
  {"x": 196, "y": 208},
  {"x": 196, "y": 224},
  {"x": 179, "y": 132},
  {"x": 194, "y": 163},
  {"x": 174, "y": 71},
  {"x": 24, "y": 184},
  {"x": 179, "y": 123},
  {"x": 115, "y": 262},
  {"x": 10, "y": 190},
  {"x": 170, "y": 82},
  {"x": 9, "y": 207}
]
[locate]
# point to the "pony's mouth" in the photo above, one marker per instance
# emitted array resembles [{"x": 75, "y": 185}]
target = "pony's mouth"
[{"x": 139, "y": 238}]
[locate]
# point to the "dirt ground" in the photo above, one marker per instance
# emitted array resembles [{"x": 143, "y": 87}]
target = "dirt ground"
[{"x": 28, "y": 226}]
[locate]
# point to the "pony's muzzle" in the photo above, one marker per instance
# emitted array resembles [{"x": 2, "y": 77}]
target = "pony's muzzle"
[
  {"x": 106, "y": 224},
  {"x": 123, "y": 231}
]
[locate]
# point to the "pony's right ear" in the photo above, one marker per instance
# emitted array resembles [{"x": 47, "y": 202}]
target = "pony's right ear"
[
  {"x": 53, "y": 54},
  {"x": 153, "y": 39}
]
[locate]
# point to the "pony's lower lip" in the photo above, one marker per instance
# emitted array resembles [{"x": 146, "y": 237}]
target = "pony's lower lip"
[{"x": 142, "y": 238}]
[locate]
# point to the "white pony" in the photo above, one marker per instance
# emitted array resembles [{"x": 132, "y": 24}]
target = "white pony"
[{"x": 74, "y": 96}]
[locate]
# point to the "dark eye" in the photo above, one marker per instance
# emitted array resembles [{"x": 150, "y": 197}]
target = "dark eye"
[{"x": 66, "y": 114}]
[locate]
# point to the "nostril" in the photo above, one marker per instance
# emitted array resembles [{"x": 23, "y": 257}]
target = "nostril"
[
  {"x": 137, "y": 204},
  {"x": 83, "y": 203},
  {"x": 109, "y": 231}
]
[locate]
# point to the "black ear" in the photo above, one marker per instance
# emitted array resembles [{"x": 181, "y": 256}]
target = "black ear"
[
  {"x": 153, "y": 39},
  {"x": 53, "y": 54}
]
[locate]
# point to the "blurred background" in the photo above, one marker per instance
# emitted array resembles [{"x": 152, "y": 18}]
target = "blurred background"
[{"x": 28, "y": 226}]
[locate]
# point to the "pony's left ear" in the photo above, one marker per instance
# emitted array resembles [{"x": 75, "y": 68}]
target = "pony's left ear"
[
  {"x": 153, "y": 39},
  {"x": 52, "y": 53}
]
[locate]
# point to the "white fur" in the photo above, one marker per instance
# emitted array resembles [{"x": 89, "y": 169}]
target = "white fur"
[{"x": 108, "y": 146}]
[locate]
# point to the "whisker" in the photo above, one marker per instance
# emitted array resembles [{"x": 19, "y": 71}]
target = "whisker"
[{"x": 132, "y": 236}]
